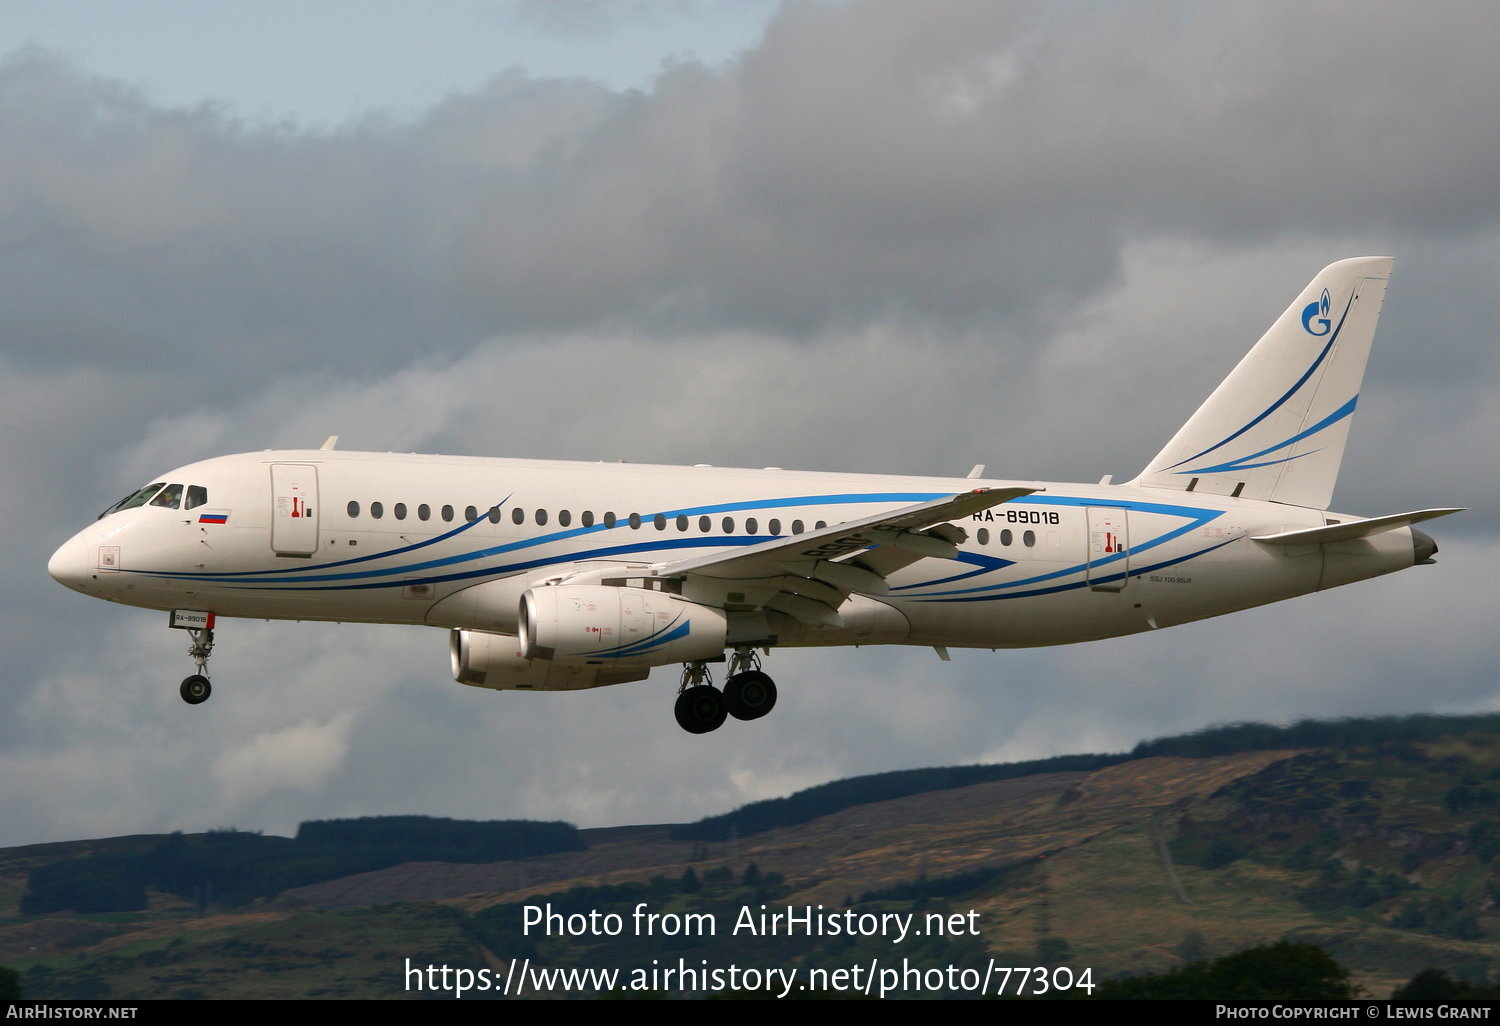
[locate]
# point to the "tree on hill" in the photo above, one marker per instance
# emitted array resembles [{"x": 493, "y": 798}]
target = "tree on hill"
[
  {"x": 1437, "y": 985},
  {"x": 1285, "y": 971}
]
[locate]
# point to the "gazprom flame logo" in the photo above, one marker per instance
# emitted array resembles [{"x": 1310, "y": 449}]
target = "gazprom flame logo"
[{"x": 1315, "y": 316}]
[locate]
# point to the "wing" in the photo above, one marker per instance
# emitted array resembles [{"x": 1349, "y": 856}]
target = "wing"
[{"x": 808, "y": 576}]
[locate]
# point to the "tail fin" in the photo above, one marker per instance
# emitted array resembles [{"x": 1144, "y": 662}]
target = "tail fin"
[{"x": 1275, "y": 428}]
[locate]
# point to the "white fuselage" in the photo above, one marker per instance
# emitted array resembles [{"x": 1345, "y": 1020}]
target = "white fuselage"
[{"x": 455, "y": 541}]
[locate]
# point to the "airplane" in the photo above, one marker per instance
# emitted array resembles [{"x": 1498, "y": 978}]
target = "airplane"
[{"x": 562, "y": 576}]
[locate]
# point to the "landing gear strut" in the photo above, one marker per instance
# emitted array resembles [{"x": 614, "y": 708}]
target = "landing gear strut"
[
  {"x": 196, "y": 689},
  {"x": 748, "y": 694}
]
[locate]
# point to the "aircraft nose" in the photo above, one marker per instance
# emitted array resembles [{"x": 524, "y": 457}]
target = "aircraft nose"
[{"x": 69, "y": 565}]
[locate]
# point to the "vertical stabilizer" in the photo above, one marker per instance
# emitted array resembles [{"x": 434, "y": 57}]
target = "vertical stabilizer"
[{"x": 1275, "y": 428}]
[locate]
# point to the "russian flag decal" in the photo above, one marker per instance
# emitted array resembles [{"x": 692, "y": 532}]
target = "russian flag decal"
[{"x": 213, "y": 518}]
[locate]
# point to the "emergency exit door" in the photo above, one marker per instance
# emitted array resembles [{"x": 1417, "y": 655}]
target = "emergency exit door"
[{"x": 294, "y": 509}]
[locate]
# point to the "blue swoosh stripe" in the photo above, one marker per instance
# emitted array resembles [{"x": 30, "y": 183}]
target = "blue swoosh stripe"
[
  {"x": 299, "y": 574},
  {"x": 1197, "y": 518},
  {"x": 1327, "y": 347},
  {"x": 1239, "y": 464},
  {"x": 1084, "y": 584},
  {"x": 984, "y": 563},
  {"x": 657, "y": 640}
]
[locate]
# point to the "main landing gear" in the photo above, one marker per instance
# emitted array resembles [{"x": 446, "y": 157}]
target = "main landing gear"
[
  {"x": 748, "y": 694},
  {"x": 196, "y": 689}
]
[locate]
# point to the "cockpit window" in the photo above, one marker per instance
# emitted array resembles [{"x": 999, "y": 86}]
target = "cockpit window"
[
  {"x": 134, "y": 499},
  {"x": 170, "y": 497}
]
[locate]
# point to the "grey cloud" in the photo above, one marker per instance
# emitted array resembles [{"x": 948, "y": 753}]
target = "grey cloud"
[{"x": 973, "y": 169}]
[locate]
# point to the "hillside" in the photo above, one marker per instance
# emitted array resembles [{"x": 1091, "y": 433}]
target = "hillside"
[{"x": 1383, "y": 853}]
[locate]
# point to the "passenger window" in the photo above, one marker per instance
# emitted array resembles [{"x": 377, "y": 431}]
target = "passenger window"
[
  {"x": 660, "y": 520},
  {"x": 1029, "y": 538},
  {"x": 517, "y": 515},
  {"x": 447, "y": 514},
  {"x": 399, "y": 511},
  {"x": 564, "y": 517},
  {"x": 471, "y": 514},
  {"x": 729, "y": 525},
  {"x": 588, "y": 518},
  {"x": 796, "y": 527},
  {"x": 822, "y": 524},
  {"x": 424, "y": 512},
  {"x": 197, "y": 496},
  {"x": 635, "y": 521},
  {"x": 705, "y": 524},
  {"x": 494, "y": 514},
  {"x": 750, "y": 525},
  {"x": 682, "y": 523},
  {"x": 984, "y": 536},
  {"x": 353, "y": 509},
  {"x": 609, "y": 520},
  {"x": 541, "y": 518},
  {"x": 170, "y": 497},
  {"x": 1006, "y": 537},
  {"x": 377, "y": 510},
  {"x": 775, "y": 526}
]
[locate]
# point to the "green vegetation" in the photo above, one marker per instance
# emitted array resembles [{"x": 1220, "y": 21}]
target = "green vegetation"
[
  {"x": 1285, "y": 971},
  {"x": 1344, "y": 733},
  {"x": 233, "y": 867},
  {"x": 825, "y": 799},
  {"x": 1397, "y": 735},
  {"x": 355, "y": 954},
  {"x": 426, "y": 838},
  {"x": 953, "y": 885},
  {"x": 1437, "y": 985}
]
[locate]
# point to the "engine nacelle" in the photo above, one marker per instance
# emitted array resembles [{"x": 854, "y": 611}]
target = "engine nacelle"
[
  {"x": 580, "y": 624},
  {"x": 485, "y": 660}
]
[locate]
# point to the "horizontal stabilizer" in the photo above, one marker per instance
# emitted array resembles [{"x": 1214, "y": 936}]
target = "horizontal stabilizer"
[{"x": 1353, "y": 529}]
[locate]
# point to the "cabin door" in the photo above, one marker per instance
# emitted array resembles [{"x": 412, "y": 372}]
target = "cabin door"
[
  {"x": 1109, "y": 548},
  {"x": 294, "y": 509}
]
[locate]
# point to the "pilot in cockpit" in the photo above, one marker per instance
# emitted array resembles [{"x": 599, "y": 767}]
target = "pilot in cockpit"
[{"x": 170, "y": 497}]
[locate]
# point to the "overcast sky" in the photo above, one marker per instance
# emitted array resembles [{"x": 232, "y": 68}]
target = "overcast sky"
[{"x": 873, "y": 236}]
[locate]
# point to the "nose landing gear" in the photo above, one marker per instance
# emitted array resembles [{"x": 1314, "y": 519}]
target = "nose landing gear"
[{"x": 200, "y": 627}]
